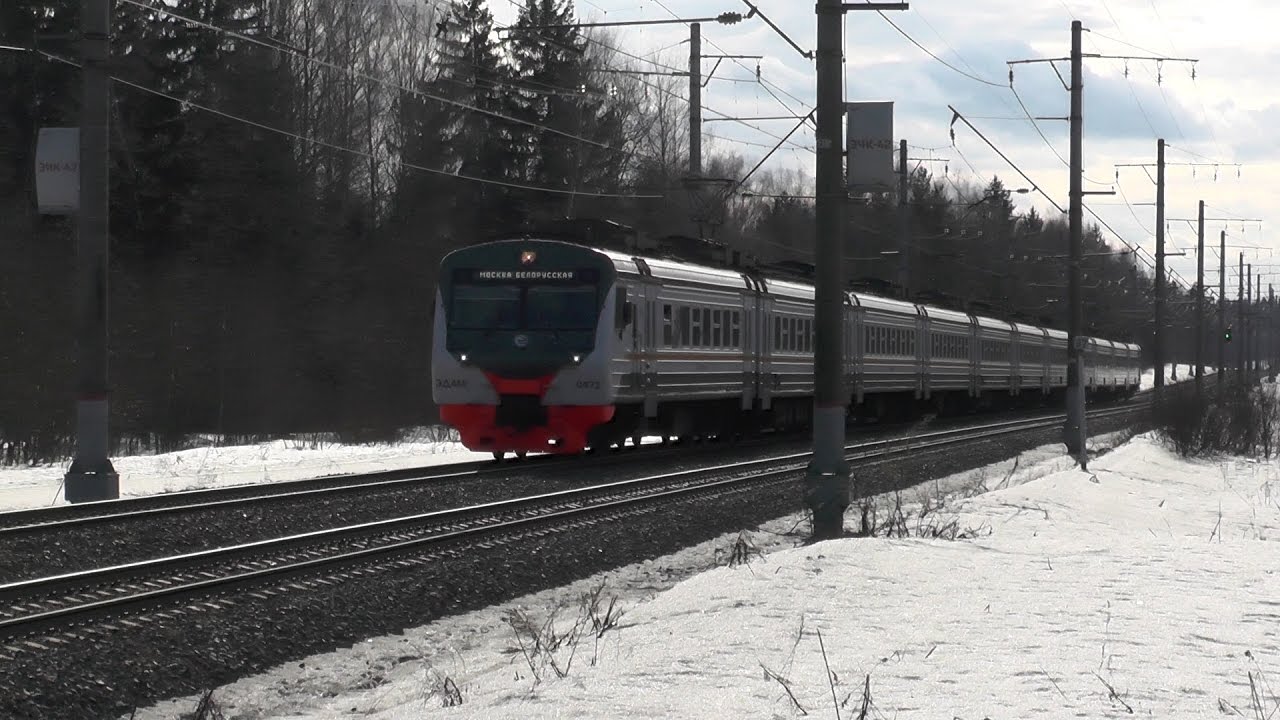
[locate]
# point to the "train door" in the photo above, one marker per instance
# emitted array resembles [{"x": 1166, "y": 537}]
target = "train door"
[
  {"x": 1015, "y": 362},
  {"x": 764, "y": 347},
  {"x": 922, "y": 353},
  {"x": 650, "y": 323},
  {"x": 750, "y": 363},
  {"x": 853, "y": 350}
]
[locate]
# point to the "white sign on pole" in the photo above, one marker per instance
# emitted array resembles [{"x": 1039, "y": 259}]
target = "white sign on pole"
[
  {"x": 58, "y": 171},
  {"x": 869, "y": 145}
]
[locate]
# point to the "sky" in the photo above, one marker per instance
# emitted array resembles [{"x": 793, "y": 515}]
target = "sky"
[{"x": 1225, "y": 115}]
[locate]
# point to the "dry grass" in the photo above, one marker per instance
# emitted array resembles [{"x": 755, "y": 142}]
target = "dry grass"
[
  {"x": 206, "y": 709},
  {"x": 925, "y": 521},
  {"x": 1239, "y": 419},
  {"x": 549, "y": 646}
]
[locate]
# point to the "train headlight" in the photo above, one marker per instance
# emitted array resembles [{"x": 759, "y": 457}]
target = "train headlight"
[
  {"x": 463, "y": 357},
  {"x": 577, "y": 358}
]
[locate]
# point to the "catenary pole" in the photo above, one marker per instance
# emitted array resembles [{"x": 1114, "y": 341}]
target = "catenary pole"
[
  {"x": 1240, "y": 323},
  {"x": 1075, "y": 429},
  {"x": 91, "y": 475},
  {"x": 828, "y": 476},
  {"x": 1157, "y": 343},
  {"x": 1255, "y": 357},
  {"x": 695, "y": 99},
  {"x": 904, "y": 223},
  {"x": 1222, "y": 309},
  {"x": 1200, "y": 304},
  {"x": 1248, "y": 320}
]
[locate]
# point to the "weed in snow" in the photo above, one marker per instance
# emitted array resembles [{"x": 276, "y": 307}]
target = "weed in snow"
[{"x": 547, "y": 645}]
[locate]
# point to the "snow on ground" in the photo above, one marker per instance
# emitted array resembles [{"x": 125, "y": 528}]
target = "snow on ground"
[
  {"x": 1184, "y": 372},
  {"x": 280, "y": 460},
  {"x": 1150, "y": 576},
  {"x": 207, "y": 467},
  {"x": 221, "y": 466}
]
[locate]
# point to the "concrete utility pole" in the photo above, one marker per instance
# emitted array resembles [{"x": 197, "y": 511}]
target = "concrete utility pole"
[
  {"x": 1255, "y": 358},
  {"x": 1271, "y": 325},
  {"x": 1157, "y": 343},
  {"x": 91, "y": 475},
  {"x": 1222, "y": 309},
  {"x": 1200, "y": 305},
  {"x": 695, "y": 99},
  {"x": 1075, "y": 430},
  {"x": 904, "y": 223},
  {"x": 1240, "y": 322},
  {"x": 828, "y": 476},
  {"x": 1248, "y": 320}
]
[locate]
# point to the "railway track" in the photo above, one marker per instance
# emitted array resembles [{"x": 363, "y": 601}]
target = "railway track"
[
  {"x": 136, "y": 593},
  {"x": 35, "y": 521}
]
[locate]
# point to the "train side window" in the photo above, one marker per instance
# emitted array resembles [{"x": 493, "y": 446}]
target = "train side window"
[
  {"x": 706, "y": 327},
  {"x": 668, "y": 332},
  {"x": 715, "y": 328},
  {"x": 777, "y": 332},
  {"x": 736, "y": 326},
  {"x": 696, "y": 340}
]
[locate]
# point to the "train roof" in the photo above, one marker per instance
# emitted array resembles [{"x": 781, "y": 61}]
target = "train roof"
[
  {"x": 987, "y": 322},
  {"x": 667, "y": 269},
  {"x": 1033, "y": 330},
  {"x": 955, "y": 316},
  {"x": 680, "y": 271},
  {"x": 786, "y": 288},
  {"x": 876, "y": 302}
]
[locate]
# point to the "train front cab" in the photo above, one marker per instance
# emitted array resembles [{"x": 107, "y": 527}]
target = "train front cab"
[{"x": 523, "y": 336}]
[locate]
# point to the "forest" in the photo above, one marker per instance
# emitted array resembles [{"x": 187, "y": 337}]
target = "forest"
[{"x": 286, "y": 175}]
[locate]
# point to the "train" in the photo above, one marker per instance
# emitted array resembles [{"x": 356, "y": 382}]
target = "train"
[{"x": 547, "y": 346}]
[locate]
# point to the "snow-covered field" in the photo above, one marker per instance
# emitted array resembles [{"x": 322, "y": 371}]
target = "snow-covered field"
[
  {"x": 230, "y": 465},
  {"x": 213, "y": 466},
  {"x": 1184, "y": 373},
  {"x": 1148, "y": 583}
]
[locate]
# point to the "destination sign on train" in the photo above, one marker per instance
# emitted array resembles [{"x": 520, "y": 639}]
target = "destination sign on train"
[{"x": 516, "y": 275}]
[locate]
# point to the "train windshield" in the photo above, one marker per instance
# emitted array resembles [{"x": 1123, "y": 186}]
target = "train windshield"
[
  {"x": 564, "y": 307},
  {"x": 560, "y": 307},
  {"x": 485, "y": 307}
]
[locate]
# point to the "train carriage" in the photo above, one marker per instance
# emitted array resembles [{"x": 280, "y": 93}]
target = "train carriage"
[
  {"x": 995, "y": 366},
  {"x": 545, "y": 346},
  {"x": 890, "y": 338},
  {"x": 949, "y": 358},
  {"x": 1031, "y": 371},
  {"x": 786, "y": 348}
]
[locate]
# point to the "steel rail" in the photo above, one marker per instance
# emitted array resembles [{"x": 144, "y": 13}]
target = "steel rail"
[
  {"x": 41, "y": 604},
  {"x": 33, "y": 521},
  {"x": 37, "y": 520}
]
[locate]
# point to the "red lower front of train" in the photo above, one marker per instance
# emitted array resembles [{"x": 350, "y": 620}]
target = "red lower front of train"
[{"x": 521, "y": 423}]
